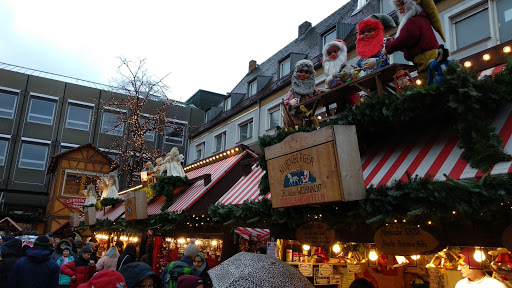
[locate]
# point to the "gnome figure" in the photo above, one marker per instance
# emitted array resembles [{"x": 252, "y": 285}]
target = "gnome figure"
[
  {"x": 334, "y": 61},
  {"x": 370, "y": 42},
  {"x": 414, "y": 35}
]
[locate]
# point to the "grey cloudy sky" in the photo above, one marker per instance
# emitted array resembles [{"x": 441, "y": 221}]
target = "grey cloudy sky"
[{"x": 203, "y": 44}]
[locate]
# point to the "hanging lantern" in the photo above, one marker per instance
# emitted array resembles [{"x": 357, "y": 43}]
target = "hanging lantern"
[
  {"x": 403, "y": 79},
  {"x": 503, "y": 263}
]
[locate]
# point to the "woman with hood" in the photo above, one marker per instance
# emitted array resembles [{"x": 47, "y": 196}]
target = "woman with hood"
[
  {"x": 81, "y": 269},
  {"x": 66, "y": 258},
  {"x": 139, "y": 274},
  {"x": 57, "y": 254},
  {"x": 11, "y": 252},
  {"x": 129, "y": 255},
  {"x": 202, "y": 270},
  {"x": 109, "y": 260}
]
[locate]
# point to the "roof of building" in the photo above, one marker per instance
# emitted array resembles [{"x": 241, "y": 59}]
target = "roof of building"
[
  {"x": 53, "y": 160},
  {"x": 203, "y": 99}
]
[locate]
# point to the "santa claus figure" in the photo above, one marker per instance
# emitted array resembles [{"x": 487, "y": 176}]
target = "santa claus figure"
[
  {"x": 334, "y": 61},
  {"x": 370, "y": 44},
  {"x": 414, "y": 35},
  {"x": 303, "y": 88}
]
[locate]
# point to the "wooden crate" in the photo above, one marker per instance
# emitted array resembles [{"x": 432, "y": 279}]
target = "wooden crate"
[
  {"x": 136, "y": 205},
  {"x": 316, "y": 167}
]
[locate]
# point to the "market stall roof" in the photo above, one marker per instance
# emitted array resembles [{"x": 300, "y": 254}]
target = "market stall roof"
[
  {"x": 12, "y": 223},
  {"x": 491, "y": 71},
  {"x": 111, "y": 213},
  {"x": 256, "y": 234},
  {"x": 435, "y": 154},
  {"x": 155, "y": 204},
  {"x": 246, "y": 189}
]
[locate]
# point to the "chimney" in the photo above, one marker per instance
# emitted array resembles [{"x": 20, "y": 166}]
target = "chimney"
[
  {"x": 304, "y": 27},
  {"x": 252, "y": 65}
]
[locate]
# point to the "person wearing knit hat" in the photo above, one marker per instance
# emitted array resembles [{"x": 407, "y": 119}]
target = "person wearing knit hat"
[
  {"x": 190, "y": 253},
  {"x": 105, "y": 279},
  {"x": 66, "y": 257},
  {"x": 189, "y": 281},
  {"x": 44, "y": 272},
  {"x": 334, "y": 62},
  {"x": 139, "y": 274}
]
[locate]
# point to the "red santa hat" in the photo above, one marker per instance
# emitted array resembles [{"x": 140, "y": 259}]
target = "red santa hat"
[{"x": 338, "y": 43}]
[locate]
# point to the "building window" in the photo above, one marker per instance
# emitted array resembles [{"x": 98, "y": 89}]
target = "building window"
[
  {"x": 3, "y": 151},
  {"x": 227, "y": 103},
  {"x": 175, "y": 133},
  {"x": 360, "y": 3},
  {"x": 78, "y": 118},
  {"x": 41, "y": 111},
  {"x": 253, "y": 88},
  {"x": 274, "y": 117},
  {"x": 220, "y": 142},
  {"x": 472, "y": 28},
  {"x": 76, "y": 182},
  {"x": 284, "y": 67},
  {"x": 112, "y": 124},
  {"x": 504, "y": 8},
  {"x": 33, "y": 156},
  {"x": 67, "y": 146},
  {"x": 245, "y": 131},
  {"x": 7, "y": 105},
  {"x": 149, "y": 128},
  {"x": 199, "y": 151},
  {"x": 329, "y": 36}
]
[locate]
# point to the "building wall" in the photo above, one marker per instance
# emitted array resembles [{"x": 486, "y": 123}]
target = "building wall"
[{"x": 30, "y": 126}]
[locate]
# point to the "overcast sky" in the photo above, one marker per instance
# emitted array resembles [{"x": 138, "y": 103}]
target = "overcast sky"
[{"x": 204, "y": 44}]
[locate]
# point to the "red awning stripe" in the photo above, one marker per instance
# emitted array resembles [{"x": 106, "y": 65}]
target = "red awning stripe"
[
  {"x": 491, "y": 71},
  {"x": 246, "y": 189},
  {"x": 155, "y": 204},
  {"x": 256, "y": 234},
  {"x": 437, "y": 155},
  {"x": 12, "y": 222},
  {"x": 183, "y": 201},
  {"x": 109, "y": 213}
]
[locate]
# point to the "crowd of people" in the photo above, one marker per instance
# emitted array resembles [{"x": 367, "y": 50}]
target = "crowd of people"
[{"x": 53, "y": 263}]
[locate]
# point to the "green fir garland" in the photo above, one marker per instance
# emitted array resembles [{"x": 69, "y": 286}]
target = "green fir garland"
[{"x": 165, "y": 185}]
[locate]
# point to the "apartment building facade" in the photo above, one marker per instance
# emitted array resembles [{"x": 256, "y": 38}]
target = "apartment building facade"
[{"x": 43, "y": 116}]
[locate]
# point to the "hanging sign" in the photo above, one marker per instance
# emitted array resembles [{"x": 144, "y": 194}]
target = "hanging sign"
[
  {"x": 316, "y": 167},
  {"x": 315, "y": 234},
  {"x": 403, "y": 239},
  {"x": 75, "y": 203}
]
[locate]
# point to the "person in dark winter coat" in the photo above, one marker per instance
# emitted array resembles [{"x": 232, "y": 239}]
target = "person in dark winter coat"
[
  {"x": 129, "y": 255},
  {"x": 43, "y": 271},
  {"x": 139, "y": 273},
  {"x": 81, "y": 269},
  {"x": 11, "y": 252},
  {"x": 58, "y": 249},
  {"x": 202, "y": 270}
]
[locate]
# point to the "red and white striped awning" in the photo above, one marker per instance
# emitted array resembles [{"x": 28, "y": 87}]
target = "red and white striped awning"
[
  {"x": 218, "y": 169},
  {"x": 111, "y": 213},
  {"x": 255, "y": 234},
  {"x": 12, "y": 223},
  {"x": 432, "y": 155},
  {"x": 246, "y": 189},
  {"x": 491, "y": 71},
  {"x": 155, "y": 204}
]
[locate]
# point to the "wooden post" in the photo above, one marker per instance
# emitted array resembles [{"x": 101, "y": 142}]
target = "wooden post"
[
  {"x": 90, "y": 216},
  {"x": 74, "y": 219},
  {"x": 136, "y": 205}
]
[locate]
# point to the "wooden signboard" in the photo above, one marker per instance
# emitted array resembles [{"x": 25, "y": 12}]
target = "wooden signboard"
[
  {"x": 316, "y": 167},
  {"x": 315, "y": 234},
  {"x": 74, "y": 219},
  {"x": 90, "y": 215},
  {"x": 136, "y": 205},
  {"x": 403, "y": 239}
]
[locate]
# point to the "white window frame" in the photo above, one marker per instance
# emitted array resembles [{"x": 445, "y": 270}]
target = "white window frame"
[
  {"x": 227, "y": 103},
  {"x": 32, "y": 117},
  {"x": 67, "y": 145},
  {"x": 21, "y": 165},
  {"x": 249, "y": 133},
  {"x": 3, "y": 157},
  {"x": 72, "y": 105},
  {"x": 199, "y": 148},
  {"x": 253, "y": 87},
  {"x": 324, "y": 36},
  {"x": 181, "y": 139},
  {"x": 270, "y": 111},
  {"x": 467, "y": 13},
  {"x": 13, "y": 108},
  {"x": 285, "y": 62},
  {"x": 110, "y": 130},
  {"x": 222, "y": 135}
]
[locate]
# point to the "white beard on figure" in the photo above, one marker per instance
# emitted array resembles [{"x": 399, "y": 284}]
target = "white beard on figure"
[
  {"x": 332, "y": 67},
  {"x": 411, "y": 9}
]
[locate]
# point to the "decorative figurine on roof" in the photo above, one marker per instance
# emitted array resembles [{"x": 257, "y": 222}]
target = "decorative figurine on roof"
[
  {"x": 160, "y": 166},
  {"x": 438, "y": 66},
  {"x": 334, "y": 61},
  {"x": 414, "y": 35},
  {"x": 173, "y": 163},
  {"x": 90, "y": 195},
  {"x": 110, "y": 186},
  {"x": 148, "y": 167},
  {"x": 303, "y": 88},
  {"x": 370, "y": 42}
]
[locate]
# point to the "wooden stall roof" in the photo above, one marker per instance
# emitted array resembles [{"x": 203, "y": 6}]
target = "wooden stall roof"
[{"x": 54, "y": 159}]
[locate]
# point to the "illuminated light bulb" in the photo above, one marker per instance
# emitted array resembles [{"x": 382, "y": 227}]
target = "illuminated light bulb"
[
  {"x": 467, "y": 64},
  {"x": 396, "y": 220},
  {"x": 306, "y": 247},
  {"x": 373, "y": 255},
  {"x": 214, "y": 242},
  {"x": 229, "y": 152},
  {"x": 454, "y": 212},
  {"x": 232, "y": 151},
  {"x": 400, "y": 259},
  {"x": 319, "y": 117},
  {"x": 415, "y": 257},
  {"x": 507, "y": 49},
  {"x": 336, "y": 248},
  {"x": 224, "y": 153},
  {"x": 236, "y": 149},
  {"x": 418, "y": 82},
  {"x": 403, "y": 220},
  {"x": 479, "y": 255},
  {"x": 198, "y": 243},
  {"x": 486, "y": 57},
  {"x": 217, "y": 157},
  {"x": 429, "y": 222}
]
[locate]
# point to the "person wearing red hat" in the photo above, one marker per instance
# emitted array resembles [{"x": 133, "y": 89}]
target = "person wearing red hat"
[
  {"x": 189, "y": 281},
  {"x": 105, "y": 279},
  {"x": 474, "y": 277}
]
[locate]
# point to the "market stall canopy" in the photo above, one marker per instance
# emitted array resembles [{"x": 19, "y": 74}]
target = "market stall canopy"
[
  {"x": 434, "y": 154},
  {"x": 491, "y": 71},
  {"x": 246, "y": 189},
  {"x": 9, "y": 220},
  {"x": 255, "y": 234},
  {"x": 111, "y": 213}
]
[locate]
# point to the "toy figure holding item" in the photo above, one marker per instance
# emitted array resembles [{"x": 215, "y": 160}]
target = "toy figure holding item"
[
  {"x": 90, "y": 195},
  {"x": 370, "y": 42},
  {"x": 303, "y": 88},
  {"x": 334, "y": 61},
  {"x": 438, "y": 66}
]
